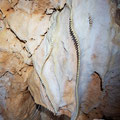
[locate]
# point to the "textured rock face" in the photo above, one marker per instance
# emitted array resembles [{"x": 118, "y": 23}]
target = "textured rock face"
[
  {"x": 97, "y": 33},
  {"x": 15, "y": 99},
  {"x": 38, "y": 58}
]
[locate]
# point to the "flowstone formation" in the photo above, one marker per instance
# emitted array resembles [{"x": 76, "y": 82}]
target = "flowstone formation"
[{"x": 38, "y": 60}]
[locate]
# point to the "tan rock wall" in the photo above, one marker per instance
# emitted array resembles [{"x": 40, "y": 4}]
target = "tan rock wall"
[{"x": 15, "y": 98}]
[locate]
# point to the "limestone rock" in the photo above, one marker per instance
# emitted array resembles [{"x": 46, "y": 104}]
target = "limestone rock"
[
  {"x": 98, "y": 35},
  {"x": 15, "y": 98},
  {"x": 38, "y": 61},
  {"x": 56, "y": 74}
]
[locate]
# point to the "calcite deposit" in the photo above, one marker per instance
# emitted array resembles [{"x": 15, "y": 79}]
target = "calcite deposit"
[{"x": 38, "y": 60}]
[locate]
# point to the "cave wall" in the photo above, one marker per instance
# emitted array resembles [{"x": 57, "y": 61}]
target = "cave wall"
[{"x": 38, "y": 61}]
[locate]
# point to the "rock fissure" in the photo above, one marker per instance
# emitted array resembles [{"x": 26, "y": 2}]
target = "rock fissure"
[{"x": 23, "y": 41}]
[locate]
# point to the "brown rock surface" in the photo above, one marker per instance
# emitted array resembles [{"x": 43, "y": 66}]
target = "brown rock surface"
[
  {"x": 94, "y": 94},
  {"x": 15, "y": 99}
]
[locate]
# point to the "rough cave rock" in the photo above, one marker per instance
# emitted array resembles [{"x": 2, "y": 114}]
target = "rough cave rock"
[{"x": 38, "y": 60}]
